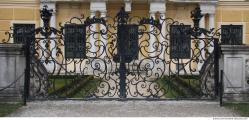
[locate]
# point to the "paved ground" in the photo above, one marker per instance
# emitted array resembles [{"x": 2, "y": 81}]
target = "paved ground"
[{"x": 126, "y": 108}]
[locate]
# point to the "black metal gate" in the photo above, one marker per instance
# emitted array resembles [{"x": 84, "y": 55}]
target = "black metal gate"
[{"x": 123, "y": 58}]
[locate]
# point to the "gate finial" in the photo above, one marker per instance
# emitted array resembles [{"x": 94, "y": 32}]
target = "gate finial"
[
  {"x": 46, "y": 15},
  {"x": 122, "y": 16},
  {"x": 196, "y": 16}
]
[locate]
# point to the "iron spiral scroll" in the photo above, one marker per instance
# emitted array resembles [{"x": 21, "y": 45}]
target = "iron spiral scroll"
[{"x": 149, "y": 70}]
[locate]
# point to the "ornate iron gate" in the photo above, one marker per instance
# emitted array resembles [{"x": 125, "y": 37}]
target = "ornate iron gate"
[{"x": 122, "y": 57}]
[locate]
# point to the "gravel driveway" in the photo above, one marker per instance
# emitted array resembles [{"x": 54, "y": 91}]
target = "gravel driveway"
[{"x": 123, "y": 108}]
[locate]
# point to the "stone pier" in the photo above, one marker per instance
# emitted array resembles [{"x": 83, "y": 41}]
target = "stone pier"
[
  {"x": 12, "y": 63},
  {"x": 234, "y": 62}
]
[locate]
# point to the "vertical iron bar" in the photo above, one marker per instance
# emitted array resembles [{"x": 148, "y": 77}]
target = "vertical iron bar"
[
  {"x": 122, "y": 70},
  {"x": 216, "y": 66},
  {"x": 221, "y": 87},
  {"x": 122, "y": 77},
  {"x": 178, "y": 67},
  {"x": 27, "y": 71},
  {"x": 122, "y": 18}
]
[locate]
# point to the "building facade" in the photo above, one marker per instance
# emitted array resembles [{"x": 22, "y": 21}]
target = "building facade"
[{"x": 217, "y": 12}]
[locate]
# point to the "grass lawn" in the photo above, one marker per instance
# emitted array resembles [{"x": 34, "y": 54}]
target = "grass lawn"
[
  {"x": 70, "y": 87},
  {"x": 8, "y": 108},
  {"x": 88, "y": 88},
  {"x": 241, "y": 108},
  {"x": 176, "y": 86}
]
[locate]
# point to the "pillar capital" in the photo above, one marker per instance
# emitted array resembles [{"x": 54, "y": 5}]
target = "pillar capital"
[
  {"x": 128, "y": 5},
  {"x": 157, "y": 1},
  {"x": 51, "y": 5},
  {"x": 157, "y": 6},
  {"x": 208, "y": 8},
  {"x": 98, "y": 6}
]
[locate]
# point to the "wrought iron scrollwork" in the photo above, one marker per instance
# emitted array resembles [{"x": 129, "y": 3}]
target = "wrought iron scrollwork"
[
  {"x": 95, "y": 20},
  {"x": 151, "y": 74},
  {"x": 151, "y": 21}
]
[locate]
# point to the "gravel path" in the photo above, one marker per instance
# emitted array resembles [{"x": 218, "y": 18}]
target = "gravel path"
[{"x": 121, "y": 109}]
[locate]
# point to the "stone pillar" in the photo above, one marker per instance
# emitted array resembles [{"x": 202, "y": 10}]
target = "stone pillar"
[
  {"x": 211, "y": 25},
  {"x": 103, "y": 37},
  {"x": 157, "y": 6},
  {"x": 53, "y": 24},
  {"x": 94, "y": 7},
  {"x": 202, "y": 44},
  {"x": 127, "y": 5},
  {"x": 91, "y": 38},
  {"x": 163, "y": 34},
  {"x": 207, "y": 9},
  {"x": 152, "y": 39}
]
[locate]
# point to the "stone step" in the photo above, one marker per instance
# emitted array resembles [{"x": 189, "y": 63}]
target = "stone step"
[
  {"x": 10, "y": 96},
  {"x": 11, "y": 99}
]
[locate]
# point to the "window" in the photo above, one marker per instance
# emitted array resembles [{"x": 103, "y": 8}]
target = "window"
[
  {"x": 231, "y": 34},
  {"x": 127, "y": 43},
  {"x": 75, "y": 41},
  {"x": 180, "y": 41},
  {"x": 23, "y": 32}
]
